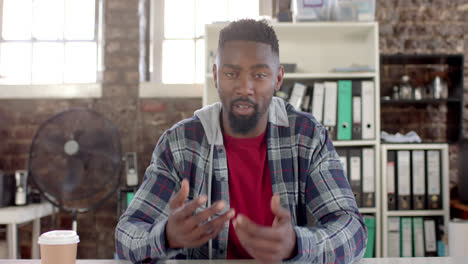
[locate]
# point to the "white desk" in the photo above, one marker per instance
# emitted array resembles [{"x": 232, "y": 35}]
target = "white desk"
[
  {"x": 14, "y": 215},
  {"x": 428, "y": 260},
  {"x": 447, "y": 260}
]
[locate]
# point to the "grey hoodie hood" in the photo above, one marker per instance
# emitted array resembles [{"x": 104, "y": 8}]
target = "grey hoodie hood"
[{"x": 209, "y": 117}]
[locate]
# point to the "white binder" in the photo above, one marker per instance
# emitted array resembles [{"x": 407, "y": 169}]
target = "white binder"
[
  {"x": 419, "y": 182},
  {"x": 418, "y": 232},
  {"x": 343, "y": 153},
  {"x": 355, "y": 171},
  {"x": 391, "y": 192},
  {"x": 317, "y": 101},
  {"x": 297, "y": 95},
  {"x": 329, "y": 115},
  {"x": 406, "y": 237},
  {"x": 368, "y": 110},
  {"x": 433, "y": 179},
  {"x": 368, "y": 177},
  {"x": 393, "y": 238},
  {"x": 430, "y": 239},
  {"x": 403, "y": 174}
]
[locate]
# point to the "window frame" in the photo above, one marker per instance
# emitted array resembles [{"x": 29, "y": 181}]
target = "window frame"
[
  {"x": 154, "y": 87},
  {"x": 61, "y": 90}
]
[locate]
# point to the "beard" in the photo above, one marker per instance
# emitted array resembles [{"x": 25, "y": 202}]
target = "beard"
[{"x": 243, "y": 124}]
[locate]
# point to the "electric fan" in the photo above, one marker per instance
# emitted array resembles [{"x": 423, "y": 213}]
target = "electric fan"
[{"x": 75, "y": 160}]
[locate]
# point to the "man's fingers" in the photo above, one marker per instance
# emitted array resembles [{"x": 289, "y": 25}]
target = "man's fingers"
[
  {"x": 277, "y": 209},
  {"x": 255, "y": 230},
  {"x": 213, "y": 227},
  {"x": 187, "y": 210},
  {"x": 179, "y": 198},
  {"x": 204, "y": 215},
  {"x": 258, "y": 248},
  {"x": 257, "y": 244}
]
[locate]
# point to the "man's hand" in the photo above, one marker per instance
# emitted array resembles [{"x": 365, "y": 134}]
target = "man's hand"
[
  {"x": 268, "y": 244},
  {"x": 185, "y": 229}
]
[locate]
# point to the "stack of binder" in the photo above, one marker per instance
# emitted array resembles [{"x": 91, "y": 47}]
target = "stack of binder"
[
  {"x": 344, "y": 107},
  {"x": 414, "y": 180},
  {"x": 415, "y": 236},
  {"x": 359, "y": 166}
]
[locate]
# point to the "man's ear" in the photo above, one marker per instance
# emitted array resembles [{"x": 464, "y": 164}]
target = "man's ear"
[
  {"x": 215, "y": 75},
  {"x": 279, "y": 78}
]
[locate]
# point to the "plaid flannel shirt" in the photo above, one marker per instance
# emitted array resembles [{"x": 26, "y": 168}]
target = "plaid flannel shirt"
[{"x": 305, "y": 172}]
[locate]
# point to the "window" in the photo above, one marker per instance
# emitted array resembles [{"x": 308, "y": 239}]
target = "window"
[
  {"x": 177, "y": 48},
  {"x": 49, "y": 41}
]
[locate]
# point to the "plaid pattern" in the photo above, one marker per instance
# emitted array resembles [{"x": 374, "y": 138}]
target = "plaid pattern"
[{"x": 305, "y": 171}]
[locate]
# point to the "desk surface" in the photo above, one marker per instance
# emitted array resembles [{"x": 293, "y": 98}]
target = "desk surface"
[
  {"x": 447, "y": 260},
  {"x": 24, "y": 213}
]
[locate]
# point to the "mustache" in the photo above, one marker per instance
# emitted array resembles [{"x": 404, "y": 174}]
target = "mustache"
[{"x": 243, "y": 99}]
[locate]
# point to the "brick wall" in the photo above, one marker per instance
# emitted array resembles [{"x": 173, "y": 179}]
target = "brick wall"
[
  {"x": 406, "y": 26},
  {"x": 425, "y": 27},
  {"x": 140, "y": 123}
]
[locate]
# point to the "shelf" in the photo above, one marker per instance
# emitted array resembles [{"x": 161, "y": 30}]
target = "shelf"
[
  {"x": 367, "y": 210},
  {"x": 416, "y": 213},
  {"x": 423, "y": 101},
  {"x": 422, "y": 70},
  {"x": 413, "y": 146},
  {"x": 330, "y": 75},
  {"x": 340, "y": 45},
  {"x": 325, "y": 75},
  {"x": 346, "y": 143}
]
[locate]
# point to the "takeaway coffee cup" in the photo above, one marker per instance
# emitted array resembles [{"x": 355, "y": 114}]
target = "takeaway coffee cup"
[{"x": 58, "y": 247}]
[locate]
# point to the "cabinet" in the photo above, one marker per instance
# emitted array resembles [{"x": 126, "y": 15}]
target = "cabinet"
[
  {"x": 442, "y": 212},
  {"x": 435, "y": 114},
  {"x": 319, "y": 51}
]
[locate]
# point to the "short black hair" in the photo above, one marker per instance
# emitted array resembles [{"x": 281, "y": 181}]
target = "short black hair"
[{"x": 249, "y": 30}]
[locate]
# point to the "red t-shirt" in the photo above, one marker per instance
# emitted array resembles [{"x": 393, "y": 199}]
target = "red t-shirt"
[{"x": 250, "y": 188}]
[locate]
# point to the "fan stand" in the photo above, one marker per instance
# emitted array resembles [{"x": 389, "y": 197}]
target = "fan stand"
[{"x": 74, "y": 220}]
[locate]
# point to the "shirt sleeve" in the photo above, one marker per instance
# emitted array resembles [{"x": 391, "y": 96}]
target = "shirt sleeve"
[
  {"x": 140, "y": 233},
  {"x": 339, "y": 235}
]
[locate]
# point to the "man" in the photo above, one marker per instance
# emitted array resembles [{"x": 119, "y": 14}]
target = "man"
[{"x": 276, "y": 183}]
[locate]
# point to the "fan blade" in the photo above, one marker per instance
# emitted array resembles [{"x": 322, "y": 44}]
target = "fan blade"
[
  {"x": 97, "y": 144},
  {"x": 75, "y": 170},
  {"x": 53, "y": 143}
]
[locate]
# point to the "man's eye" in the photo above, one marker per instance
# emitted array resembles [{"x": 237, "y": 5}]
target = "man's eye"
[
  {"x": 260, "y": 75},
  {"x": 230, "y": 74}
]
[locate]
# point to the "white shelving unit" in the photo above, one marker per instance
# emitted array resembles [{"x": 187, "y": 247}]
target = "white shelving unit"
[
  {"x": 444, "y": 212},
  {"x": 317, "y": 49}
]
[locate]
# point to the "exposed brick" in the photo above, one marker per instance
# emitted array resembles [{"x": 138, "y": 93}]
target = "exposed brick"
[
  {"x": 112, "y": 46},
  {"x": 19, "y": 163},
  {"x": 5, "y": 164},
  {"x": 110, "y": 76},
  {"x": 24, "y": 133},
  {"x": 122, "y": 18},
  {"x": 18, "y": 148},
  {"x": 122, "y": 4},
  {"x": 132, "y": 77},
  {"x": 4, "y": 133},
  {"x": 187, "y": 105},
  {"x": 120, "y": 90},
  {"x": 122, "y": 62},
  {"x": 148, "y": 106},
  {"x": 122, "y": 33},
  {"x": 435, "y": 44}
]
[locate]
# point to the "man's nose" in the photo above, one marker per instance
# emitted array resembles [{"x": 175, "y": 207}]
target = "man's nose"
[{"x": 244, "y": 86}]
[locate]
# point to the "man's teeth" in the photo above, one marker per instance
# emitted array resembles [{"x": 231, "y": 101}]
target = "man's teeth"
[{"x": 242, "y": 106}]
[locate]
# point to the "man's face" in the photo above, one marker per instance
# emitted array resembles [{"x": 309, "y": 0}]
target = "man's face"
[{"x": 248, "y": 73}]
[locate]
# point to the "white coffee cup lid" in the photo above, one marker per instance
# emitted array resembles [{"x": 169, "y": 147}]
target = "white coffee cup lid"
[{"x": 59, "y": 237}]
